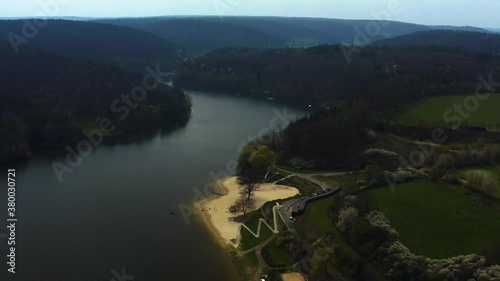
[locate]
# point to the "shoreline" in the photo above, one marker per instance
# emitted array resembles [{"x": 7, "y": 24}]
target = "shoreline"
[
  {"x": 206, "y": 219},
  {"x": 214, "y": 209}
]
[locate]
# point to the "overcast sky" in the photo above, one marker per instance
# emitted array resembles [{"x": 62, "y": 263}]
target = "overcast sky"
[{"x": 482, "y": 13}]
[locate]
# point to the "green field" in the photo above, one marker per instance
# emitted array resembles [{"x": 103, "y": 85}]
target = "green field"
[
  {"x": 249, "y": 241},
  {"x": 315, "y": 222},
  {"x": 433, "y": 109},
  {"x": 334, "y": 181},
  {"x": 279, "y": 256},
  {"x": 437, "y": 221},
  {"x": 299, "y": 171}
]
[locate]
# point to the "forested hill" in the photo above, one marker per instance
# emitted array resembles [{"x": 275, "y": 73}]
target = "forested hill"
[
  {"x": 379, "y": 76},
  {"x": 198, "y": 34},
  {"x": 475, "y": 41},
  {"x": 47, "y": 100},
  {"x": 117, "y": 45}
]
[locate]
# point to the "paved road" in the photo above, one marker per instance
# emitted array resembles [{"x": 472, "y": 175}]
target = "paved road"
[{"x": 286, "y": 213}]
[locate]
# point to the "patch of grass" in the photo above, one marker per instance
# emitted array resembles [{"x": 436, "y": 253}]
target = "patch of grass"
[
  {"x": 247, "y": 240},
  {"x": 305, "y": 186},
  {"x": 346, "y": 180},
  {"x": 278, "y": 256},
  {"x": 246, "y": 265},
  {"x": 298, "y": 171},
  {"x": 488, "y": 170},
  {"x": 404, "y": 146},
  {"x": 432, "y": 110},
  {"x": 251, "y": 259},
  {"x": 315, "y": 222},
  {"x": 437, "y": 221}
]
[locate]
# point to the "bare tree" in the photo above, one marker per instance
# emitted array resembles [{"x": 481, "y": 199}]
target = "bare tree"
[
  {"x": 243, "y": 205},
  {"x": 248, "y": 185}
]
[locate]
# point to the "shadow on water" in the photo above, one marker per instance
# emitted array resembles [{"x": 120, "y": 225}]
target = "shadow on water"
[
  {"x": 141, "y": 136},
  {"x": 135, "y": 137}
]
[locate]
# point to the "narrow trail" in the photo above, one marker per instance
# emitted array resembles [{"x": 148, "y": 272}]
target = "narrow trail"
[
  {"x": 262, "y": 221},
  {"x": 310, "y": 177},
  {"x": 280, "y": 180}
]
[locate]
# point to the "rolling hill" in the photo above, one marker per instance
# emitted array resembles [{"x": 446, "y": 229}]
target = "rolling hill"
[
  {"x": 48, "y": 99},
  {"x": 201, "y": 34},
  {"x": 475, "y": 41},
  {"x": 117, "y": 45}
]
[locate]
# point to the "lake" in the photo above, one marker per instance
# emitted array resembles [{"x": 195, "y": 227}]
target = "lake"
[{"x": 113, "y": 212}]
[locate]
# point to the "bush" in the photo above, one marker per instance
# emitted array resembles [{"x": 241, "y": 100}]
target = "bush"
[{"x": 347, "y": 218}]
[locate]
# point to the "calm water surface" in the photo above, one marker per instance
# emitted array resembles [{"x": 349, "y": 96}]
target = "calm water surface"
[{"x": 113, "y": 211}]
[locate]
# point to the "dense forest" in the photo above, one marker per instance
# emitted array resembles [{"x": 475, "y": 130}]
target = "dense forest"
[
  {"x": 110, "y": 44},
  {"x": 47, "y": 100},
  {"x": 474, "y": 41},
  {"x": 328, "y": 73},
  {"x": 196, "y": 35},
  {"x": 357, "y": 96},
  {"x": 201, "y": 34}
]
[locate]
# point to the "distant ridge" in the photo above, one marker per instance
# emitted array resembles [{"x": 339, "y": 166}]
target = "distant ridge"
[
  {"x": 204, "y": 33},
  {"x": 474, "y": 41},
  {"x": 117, "y": 45}
]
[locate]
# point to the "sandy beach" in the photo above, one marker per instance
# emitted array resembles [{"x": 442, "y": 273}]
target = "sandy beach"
[{"x": 216, "y": 212}]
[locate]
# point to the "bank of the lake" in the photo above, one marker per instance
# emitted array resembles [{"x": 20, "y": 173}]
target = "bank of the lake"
[
  {"x": 215, "y": 209},
  {"x": 115, "y": 209}
]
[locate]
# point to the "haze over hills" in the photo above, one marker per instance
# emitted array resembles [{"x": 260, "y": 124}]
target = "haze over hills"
[
  {"x": 199, "y": 34},
  {"x": 475, "y": 41},
  {"x": 111, "y": 44},
  {"x": 458, "y": 28}
]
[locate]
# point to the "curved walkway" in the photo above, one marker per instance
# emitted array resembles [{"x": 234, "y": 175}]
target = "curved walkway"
[
  {"x": 281, "y": 211},
  {"x": 310, "y": 177}
]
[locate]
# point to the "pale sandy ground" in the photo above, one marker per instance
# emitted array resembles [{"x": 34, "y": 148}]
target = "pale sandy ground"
[
  {"x": 216, "y": 209},
  {"x": 295, "y": 276}
]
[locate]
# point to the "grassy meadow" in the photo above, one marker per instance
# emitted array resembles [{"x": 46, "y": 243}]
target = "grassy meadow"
[
  {"x": 437, "y": 221},
  {"x": 432, "y": 110}
]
